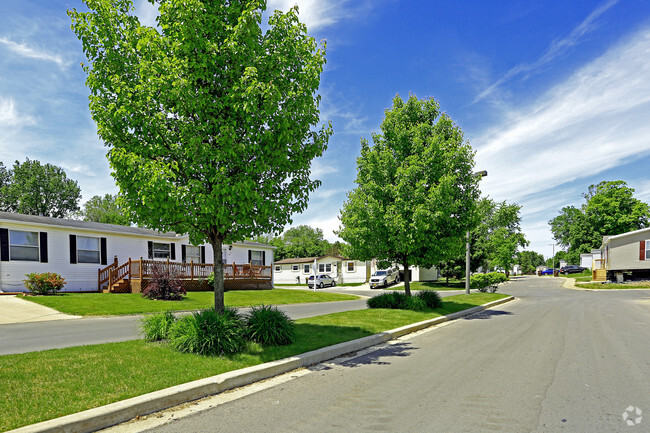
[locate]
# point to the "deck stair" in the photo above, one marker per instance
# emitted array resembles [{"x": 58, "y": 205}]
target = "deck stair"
[{"x": 599, "y": 275}]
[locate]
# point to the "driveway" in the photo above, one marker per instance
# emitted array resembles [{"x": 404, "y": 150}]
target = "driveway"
[{"x": 16, "y": 310}]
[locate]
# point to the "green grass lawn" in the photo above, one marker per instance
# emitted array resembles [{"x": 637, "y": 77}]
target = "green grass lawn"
[
  {"x": 433, "y": 285},
  {"x": 108, "y": 304},
  {"x": 43, "y": 385},
  {"x": 583, "y": 276},
  {"x": 615, "y": 286}
]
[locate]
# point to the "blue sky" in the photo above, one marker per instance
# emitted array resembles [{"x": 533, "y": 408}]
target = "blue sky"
[{"x": 554, "y": 96}]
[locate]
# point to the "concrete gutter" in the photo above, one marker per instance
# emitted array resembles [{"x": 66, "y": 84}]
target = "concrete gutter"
[{"x": 125, "y": 410}]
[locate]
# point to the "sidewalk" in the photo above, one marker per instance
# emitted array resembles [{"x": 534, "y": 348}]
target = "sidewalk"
[{"x": 16, "y": 310}]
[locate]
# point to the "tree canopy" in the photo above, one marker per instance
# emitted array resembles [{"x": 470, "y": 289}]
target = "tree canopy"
[
  {"x": 529, "y": 261},
  {"x": 33, "y": 188},
  {"x": 106, "y": 210},
  {"x": 300, "y": 241},
  {"x": 609, "y": 209},
  {"x": 211, "y": 121},
  {"x": 416, "y": 193}
]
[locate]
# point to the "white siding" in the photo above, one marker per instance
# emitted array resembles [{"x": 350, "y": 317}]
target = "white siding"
[{"x": 339, "y": 271}]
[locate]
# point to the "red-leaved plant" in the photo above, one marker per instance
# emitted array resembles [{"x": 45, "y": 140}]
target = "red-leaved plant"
[{"x": 164, "y": 285}]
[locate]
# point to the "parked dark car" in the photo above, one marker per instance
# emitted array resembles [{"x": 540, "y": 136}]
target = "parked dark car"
[
  {"x": 572, "y": 269},
  {"x": 321, "y": 281}
]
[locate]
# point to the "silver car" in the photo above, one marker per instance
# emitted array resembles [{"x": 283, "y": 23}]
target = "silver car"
[
  {"x": 321, "y": 281},
  {"x": 384, "y": 277}
]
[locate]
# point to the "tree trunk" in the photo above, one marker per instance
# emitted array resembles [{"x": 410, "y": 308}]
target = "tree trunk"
[
  {"x": 407, "y": 277},
  {"x": 217, "y": 268}
]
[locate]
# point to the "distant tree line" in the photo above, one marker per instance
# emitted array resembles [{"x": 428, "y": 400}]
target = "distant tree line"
[{"x": 301, "y": 241}]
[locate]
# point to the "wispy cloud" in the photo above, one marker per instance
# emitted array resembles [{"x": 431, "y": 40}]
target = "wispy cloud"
[
  {"x": 23, "y": 50},
  {"x": 320, "y": 168},
  {"x": 557, "y": 48},
  {"x": 316, "y": 14},
  {"x": 595, "y": 120},
  {"x": 9, "y": 116}
]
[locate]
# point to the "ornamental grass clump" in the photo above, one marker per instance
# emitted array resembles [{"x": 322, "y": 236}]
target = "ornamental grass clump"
[
  {"x": 390, "y": 300},
  {"x": 267, "y": 325},
  {"x": 155, "y": 327},
  {"x": 164, "y": 285},
  {"x": 46, "y": 283},
  {"x": 208, "y": 333},
  {"x": 430, "y": 298}
]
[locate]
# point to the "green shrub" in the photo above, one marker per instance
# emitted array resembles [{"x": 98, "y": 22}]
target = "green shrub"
[
  {"x": 267, "y": 325},
  {"x": 208, "y": 333},
  {"x": 164, "y": 285},
  {"x": 210, "y": 279},
  {"x": 415, "y": 303},
  {"x": 44, "y": 284},
  {"x": 487, "y": 282},
  {"x": 431, "y": 299},
  {"x": 390, "y": 300},
  {"x": 155, "y": 327}
]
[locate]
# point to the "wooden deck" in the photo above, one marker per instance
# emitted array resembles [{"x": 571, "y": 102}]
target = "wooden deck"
[
  {"x": 598, "y": 271},
  {"x": 133, "y": 275}
]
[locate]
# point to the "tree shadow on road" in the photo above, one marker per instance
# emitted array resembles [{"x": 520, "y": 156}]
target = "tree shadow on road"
[
  {"x": 381, "y": 356},
  {"x": 488, "y": 314}
]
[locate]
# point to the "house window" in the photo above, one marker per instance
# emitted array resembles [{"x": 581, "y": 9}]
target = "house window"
[
  {"x": 306, "y": 269},
  {"x": 23, "y": 245},
  {"x": 278, "y": 268},
  {"x": 350, "y": 266},
  {"x": 324, "y": 267},
  {"x": 87, "y": 250},
  {"x": 256, "y": 258},
  {"x": 160, "y": 251},
  {"x": 192, "y": 254},
  {"x": 647, "y": 250},
  {"x": 294, "y": 268}
]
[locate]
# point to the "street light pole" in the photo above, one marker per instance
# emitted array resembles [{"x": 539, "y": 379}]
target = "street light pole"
[
  {"x": 481, "y": 173},
  {"x": 553, "y": 259}
]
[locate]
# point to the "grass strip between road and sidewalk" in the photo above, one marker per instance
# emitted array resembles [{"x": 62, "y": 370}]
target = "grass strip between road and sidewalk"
[
  {"x": 614, "y": 286},
  {"x": 110, "y": 304},
  {"x": 44, "y": 385}
]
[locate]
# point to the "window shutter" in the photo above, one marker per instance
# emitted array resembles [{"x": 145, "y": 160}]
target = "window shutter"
[
  {"x": 172, "y": 248},
  {"x": 43, "y": 246},
  {"x": 73, "y": 249},
  {"x": 202, "y": 254},
  {"x": 642, "y": 250},
  {"x": 150, "y": 250},
  {"x": 183, "y": 253},
  {"x": 103, "y": 256},
  {"x": 4, "y": 245},
  {"x": 249, "y": 256},
  {"x": 263, "y": 258}
]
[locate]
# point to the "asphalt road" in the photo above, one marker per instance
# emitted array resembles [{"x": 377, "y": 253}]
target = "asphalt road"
[
  {"x": 56, "y": 334},
  {"x": 553, "y": 360}
]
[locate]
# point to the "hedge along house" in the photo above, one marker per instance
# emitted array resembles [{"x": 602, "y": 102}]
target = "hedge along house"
[
  {"x": 624, "y": 256},
  {"x": 93, "y": 256},
  {"x": 298, "y": 270}
]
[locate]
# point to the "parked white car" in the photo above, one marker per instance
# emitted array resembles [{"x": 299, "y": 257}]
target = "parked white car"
[
  {"x": 321, "y": 281},
  {"x": 384, "y": 277}
]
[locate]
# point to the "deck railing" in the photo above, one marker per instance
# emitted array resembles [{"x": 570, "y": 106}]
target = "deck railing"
[
  {"x": 143, "y": 269},
  {"x": 598, "y": 264}
]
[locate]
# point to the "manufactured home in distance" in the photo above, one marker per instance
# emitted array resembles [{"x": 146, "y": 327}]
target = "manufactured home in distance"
[
  {"x": 298, "y": 270},
  {"x": 93, "y": 256}
]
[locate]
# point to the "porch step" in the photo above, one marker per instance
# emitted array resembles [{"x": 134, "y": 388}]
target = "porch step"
[
  {"x": 122, "y": 286},
  {"x": 599, "y": 275}
]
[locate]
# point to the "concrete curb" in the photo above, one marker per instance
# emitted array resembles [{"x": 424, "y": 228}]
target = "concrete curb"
[{"x": 121, "y": 411}]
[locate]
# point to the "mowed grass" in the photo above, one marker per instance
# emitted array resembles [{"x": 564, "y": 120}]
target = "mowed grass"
[
  {"x": 109, "y": 304},
  {"x": 43, "y": 385},
  {"x": 433, "y": 285},
  {"x": 615, "y": 286}
]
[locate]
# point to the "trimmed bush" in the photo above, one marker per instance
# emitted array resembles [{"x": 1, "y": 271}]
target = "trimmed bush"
[
  {"x": 487, "y": 282},
  {"x": 431, "y": 299},
  {"x": 155, "y": 327},
  {"x": 46, "y": 283},
  {"x": 208, "y": 333},
  {"x": 164, "y": 285},
  {"x": 267, "y": 325}
]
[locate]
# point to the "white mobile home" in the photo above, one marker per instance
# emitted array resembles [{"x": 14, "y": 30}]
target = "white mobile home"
[
  {"x": 624, "y": 256},
  {"x": 78, "y": 250},
  {"x": 298, "y": 270}
]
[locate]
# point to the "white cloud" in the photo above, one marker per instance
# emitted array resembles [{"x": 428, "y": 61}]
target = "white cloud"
[
  {"x": 325, "y": 194},
  {"x": 319, "y": 169},
  {"x": 32, "y": 53},
  {"x": 9, "y": 116},
  {"x": 316, "y": 14},
  {"x": 594, "y": 121},
  {"x": 147, "y": 13},
  {"x": 555, "y": 49}
]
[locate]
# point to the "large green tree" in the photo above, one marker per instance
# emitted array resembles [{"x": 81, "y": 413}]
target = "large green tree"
[
  {"x": 416, "y": 193},
  {"x": 505, "y": 236},
  {"x": 106, "y": 209},
  {"x": 33, "y": 188},
  {"x": 304, "y": 241},
  {"x": 529, "y": 261},
  {"x": 610, "y": 208},
  {"x": 211, "y": 121}
]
